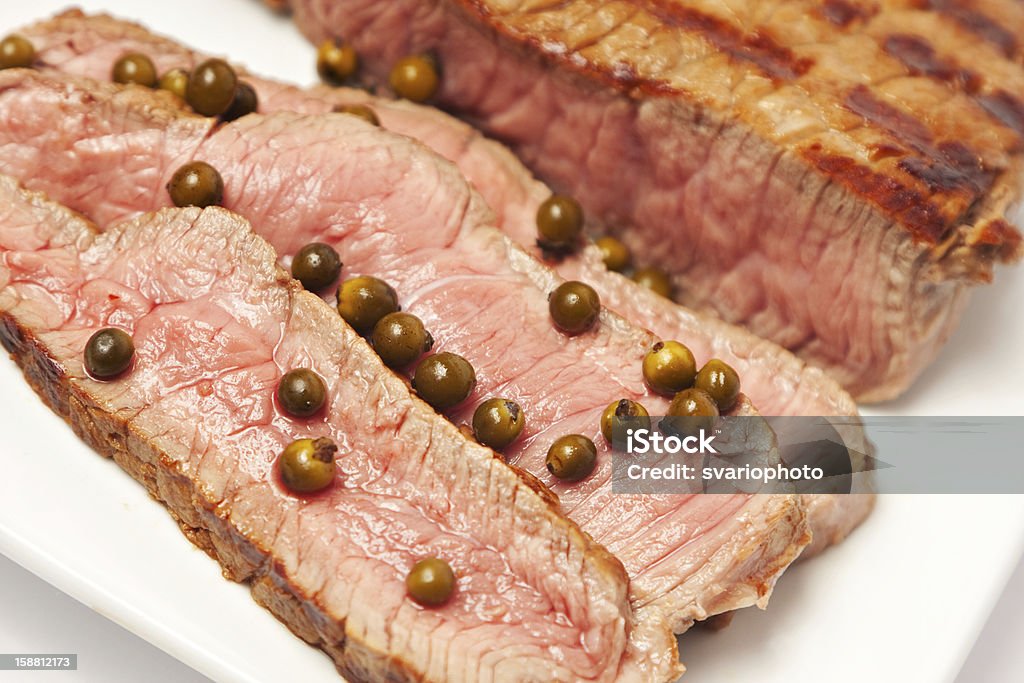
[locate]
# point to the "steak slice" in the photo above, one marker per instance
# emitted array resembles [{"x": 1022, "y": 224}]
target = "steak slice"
[
  {"x": 215, "y": 324},
  {"x": 777, "y": 159},
  {"x": 397, "y": 211},
  {"x": 776, "y": 381}
]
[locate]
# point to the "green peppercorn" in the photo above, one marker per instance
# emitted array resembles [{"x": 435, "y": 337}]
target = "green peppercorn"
[
  {"x": 16, "y": 52},
  {"x": 135, "y": 68},
  {"x": 721, "y": 382},
  {"x": 196, "y": 184},
  {"x": 559, "y": 222},
  {"x": 691, "y": 410},
  {"x": 364, "y": 300},
  {"x": 414, "y": 78},
  {"x": 175, "y": 81},
  {"x": 430, "y": 582},
  {"x": 211, "y": 87},
  {"x": 655, "y": 280},
  {"x": 622, "y": 415},
  {"x": 572, "y": 457},
  {"x": 108, "y": 353},
  {"x": 245, "y": 102},
  {"x": 574, "y": 307},
  {"x": 336, "y": 62},
  {"x": 614, "y": 253},
  {"x": 669, "y": 367},
  {"x": 302, "y": 393},
  {"x": 307, "y": 465},
  {"x": 444, "y": 380},
  {"x": 360, "y": 110},
  {"x": 497, "y": 422},
  {"x": 399, "y": 339},
  {"x": 317, "y": 266}
]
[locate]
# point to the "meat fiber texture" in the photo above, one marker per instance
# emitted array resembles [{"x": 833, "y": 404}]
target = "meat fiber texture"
[
  {"x": 833, "y": 175},
  {"x": 777, "y": 382},
  {"x": 395, "y": 210},
  {"x": 196, "y": 422}
]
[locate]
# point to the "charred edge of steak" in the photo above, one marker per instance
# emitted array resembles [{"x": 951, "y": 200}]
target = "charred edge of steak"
[
  {"x": 944, "y": 167},
  {"x": 112, "y": 436},
  {"x": 751, "y": 47},
  {"x": 978, "y": 23},
  {"x": 920, "y": 58},
  {"x": 842, "y": 13},
  {"x": 756, "y": 49},
  {"x": 991, "y": 240},
  {"x": 1006, "y": 108},
  {"x": 933, "y": 170},
  {"x": 623, "y": 78},
  {"x": 924, "y": 219}
]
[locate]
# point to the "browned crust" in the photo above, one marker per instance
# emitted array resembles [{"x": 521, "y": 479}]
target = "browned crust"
[
  {"x": 1004, "y": 107},
  {"x": 756, "y": 48},
  {"x": 893, "y": 197},
  {"x": 920, "y": 58},
  {"x": 977, "y": 23},
  {"x": 843, "y": 13},
  {"x": 948, "y": 202},
  {"x": 623, "y": 79}
]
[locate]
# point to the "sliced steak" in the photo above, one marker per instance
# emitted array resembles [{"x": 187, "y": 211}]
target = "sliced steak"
[
  {"x": 778, "y": 162},
  {"x": 215, "y": 324},
  {"x": 776, "y": 381},
  {"x": 397, "y": 211}
]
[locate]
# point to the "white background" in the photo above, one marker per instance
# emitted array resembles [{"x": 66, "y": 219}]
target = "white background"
[{"x": 979, "y": 373}]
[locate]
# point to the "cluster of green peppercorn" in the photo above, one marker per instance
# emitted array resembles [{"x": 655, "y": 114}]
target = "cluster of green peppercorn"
[
  {"x": 560, "y": 231},
  {"x": 370, "y": 305}
]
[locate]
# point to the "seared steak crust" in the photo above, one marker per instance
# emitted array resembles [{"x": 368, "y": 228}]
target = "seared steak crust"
[
  {"x": 929, "y": 189},
  {"x": 863, "y": 152},
  {"x": 194, "y": 421}
]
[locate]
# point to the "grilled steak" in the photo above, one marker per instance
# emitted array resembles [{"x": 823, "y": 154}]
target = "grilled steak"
[
  {"x": 397, "y": 211},
  {"x": 215, "y": 325},
  {"x": 777, "y": 382},
  {"x": 778, "y": 160}
]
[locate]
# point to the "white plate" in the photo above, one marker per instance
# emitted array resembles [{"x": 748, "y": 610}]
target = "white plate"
[{"x": 901, "y": 600}]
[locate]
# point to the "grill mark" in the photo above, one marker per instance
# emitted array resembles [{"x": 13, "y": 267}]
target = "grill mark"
[
  {"x": 843, "y": 13},
  {"x": 10, "y": 335},
  {"x": 757, "y": 48},
  {"x": 954, "y": 167},
  {"x": 621, "y": 77},
  {"x": 945, "y": 167},
  {"x": 977, "y": 23},
  {"x": 918, "y": 55},
  {"x": 913, "y": 209},
  {"x": 1005, "y": 107},
  {"x": 898, "y": 123}
]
